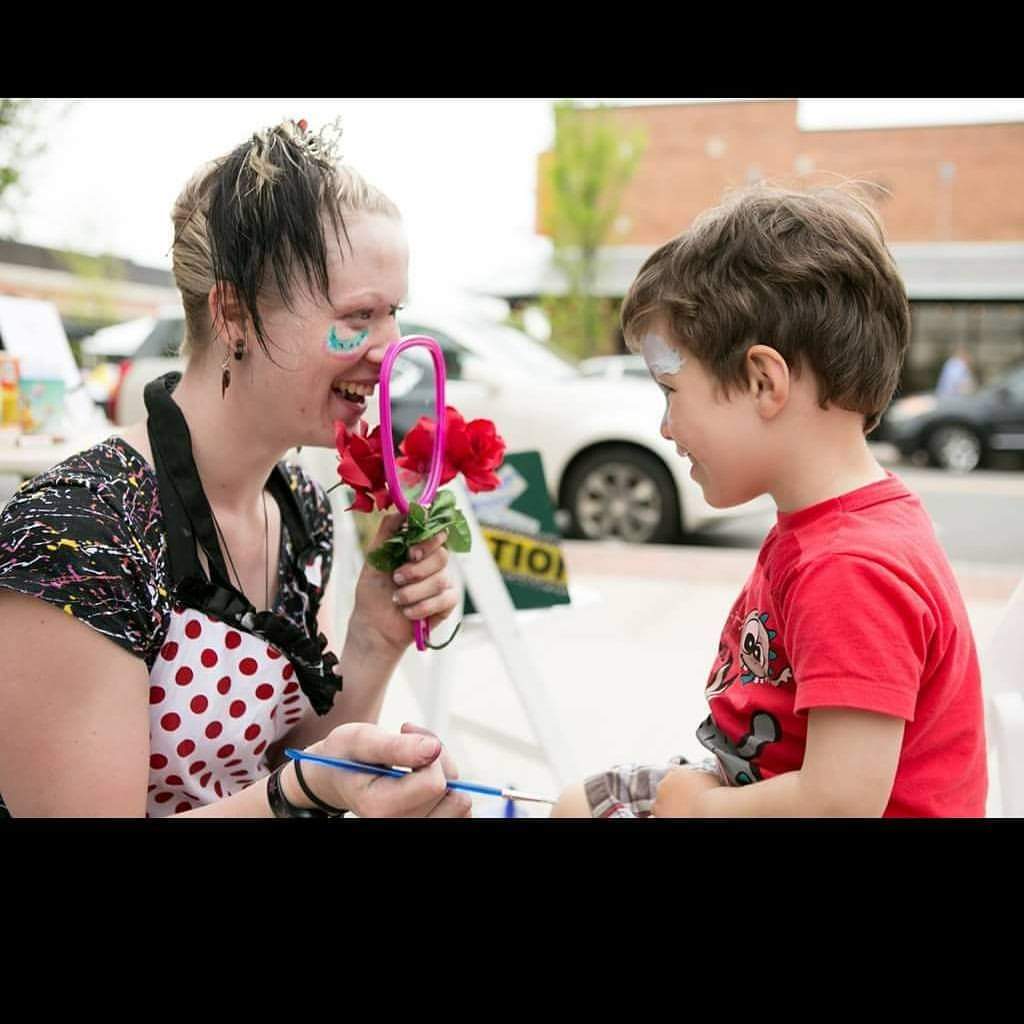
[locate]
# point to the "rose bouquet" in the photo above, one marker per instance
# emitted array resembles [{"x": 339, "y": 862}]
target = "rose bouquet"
[{"x": 474, "y": 449}]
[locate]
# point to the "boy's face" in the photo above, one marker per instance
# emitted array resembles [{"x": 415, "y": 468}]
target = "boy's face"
[{"x": 719, "y": 435}]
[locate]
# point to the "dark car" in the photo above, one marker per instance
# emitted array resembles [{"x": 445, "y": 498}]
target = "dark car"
[{"x": 961, "y": 431}]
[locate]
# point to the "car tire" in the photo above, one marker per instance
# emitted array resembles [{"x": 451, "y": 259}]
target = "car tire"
[
  {"x": 621, "y": 492},
  {"x": 956, "y": 448}
]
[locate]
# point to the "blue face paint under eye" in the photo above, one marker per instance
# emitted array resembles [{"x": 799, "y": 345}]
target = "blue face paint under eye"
[{"x": 338, "y": 345}]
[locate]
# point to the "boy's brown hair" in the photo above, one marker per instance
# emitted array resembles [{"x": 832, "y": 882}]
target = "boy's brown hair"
[{"x": 806, "y": 272}]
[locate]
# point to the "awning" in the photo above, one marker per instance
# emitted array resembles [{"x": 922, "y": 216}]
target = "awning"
[{"x": 937, "y": 271}]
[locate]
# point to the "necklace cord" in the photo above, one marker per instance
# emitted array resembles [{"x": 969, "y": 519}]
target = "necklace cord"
[{"x": 266, "y": 553}]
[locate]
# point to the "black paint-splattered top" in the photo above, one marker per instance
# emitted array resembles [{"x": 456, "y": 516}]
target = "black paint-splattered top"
[{"x": 88, "y": 536}]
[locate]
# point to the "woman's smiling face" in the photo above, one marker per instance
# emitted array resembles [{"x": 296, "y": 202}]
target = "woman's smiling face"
[{"x": 329, "y": 351}]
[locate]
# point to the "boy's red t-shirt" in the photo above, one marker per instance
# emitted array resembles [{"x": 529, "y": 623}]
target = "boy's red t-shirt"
[{"x": 853, "y": 604}]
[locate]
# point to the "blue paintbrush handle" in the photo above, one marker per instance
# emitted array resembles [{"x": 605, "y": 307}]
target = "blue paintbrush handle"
[{"x": 396, "y": 773}]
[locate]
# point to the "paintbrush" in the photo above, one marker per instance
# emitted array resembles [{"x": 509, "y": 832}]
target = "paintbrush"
[{"x": 397, "y": 773}]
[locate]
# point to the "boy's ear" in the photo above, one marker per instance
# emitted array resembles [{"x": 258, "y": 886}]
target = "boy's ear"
[
  {"x": 768, "y": 379},
  {"x": 227, "y": 314}
]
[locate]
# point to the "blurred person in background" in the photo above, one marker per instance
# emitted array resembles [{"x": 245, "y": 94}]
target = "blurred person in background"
[{"x": 956, "y": 377}]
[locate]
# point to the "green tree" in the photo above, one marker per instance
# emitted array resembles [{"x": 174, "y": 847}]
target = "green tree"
[
  {"x": 584, "y": 179},
  {"x": 17, "y": 143},
  {"x": 23, "y": 126}
]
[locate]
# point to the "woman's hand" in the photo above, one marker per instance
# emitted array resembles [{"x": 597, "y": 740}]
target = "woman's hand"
[
  {"x": 423, "y": 793},
  {"x": 678, "y": 790},
  {"x": 387, "y": 605}
]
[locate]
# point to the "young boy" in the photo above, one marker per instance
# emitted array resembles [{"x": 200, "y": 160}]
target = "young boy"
[{"x": 846, "y": 681}]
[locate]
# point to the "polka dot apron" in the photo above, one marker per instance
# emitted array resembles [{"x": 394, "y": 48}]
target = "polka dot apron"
[{"x": 228, "y": 681}]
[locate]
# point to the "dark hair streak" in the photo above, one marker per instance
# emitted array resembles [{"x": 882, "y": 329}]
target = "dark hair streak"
[{"x": 264, "y": 219}]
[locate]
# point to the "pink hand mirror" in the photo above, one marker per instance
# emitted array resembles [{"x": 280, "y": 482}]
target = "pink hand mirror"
[{"x": 421, "y": 627}]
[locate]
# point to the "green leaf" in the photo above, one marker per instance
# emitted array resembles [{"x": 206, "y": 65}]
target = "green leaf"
[
  {"x": 386, "y": 561},
  {"x": 459, "y": 538},
  {"x": 442, "y": 501},
  {"x": 443, "y": 524},
  {"x": 414, "y": 532},
  {"x": 417, "y": 515},
  {"x": 431, "y": 531},
  {"x": 420, "y": 526},
  {"x": 392, "y": 553}
]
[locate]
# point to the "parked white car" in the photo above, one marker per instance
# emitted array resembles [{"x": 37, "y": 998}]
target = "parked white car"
[
  {"x": 605, "y": 461},
  {"x": 118, "y": 341}
]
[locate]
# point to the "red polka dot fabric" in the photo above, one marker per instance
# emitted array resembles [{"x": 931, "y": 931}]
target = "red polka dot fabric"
[{"x": 217, "y": 699}]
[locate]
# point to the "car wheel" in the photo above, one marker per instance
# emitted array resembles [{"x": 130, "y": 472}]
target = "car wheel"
[
  {"x": 955, "y": 448},
  {"x": 621, "y": 492}
]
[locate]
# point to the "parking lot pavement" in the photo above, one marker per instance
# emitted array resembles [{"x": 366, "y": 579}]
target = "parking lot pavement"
[{"x": 625, "y": 670}]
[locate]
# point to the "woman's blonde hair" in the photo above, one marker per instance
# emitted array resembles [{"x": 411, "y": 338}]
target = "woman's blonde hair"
[{"x": 255, "y": 219}]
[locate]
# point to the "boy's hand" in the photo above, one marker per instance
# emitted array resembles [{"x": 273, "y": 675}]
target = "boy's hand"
[{"x": 678, "y": 790}]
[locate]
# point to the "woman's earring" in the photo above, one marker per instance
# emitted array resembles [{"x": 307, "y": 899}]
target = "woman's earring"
[{"x": 225, "y": 377}]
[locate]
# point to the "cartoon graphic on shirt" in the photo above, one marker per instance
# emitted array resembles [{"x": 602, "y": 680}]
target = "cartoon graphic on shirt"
[
  {"x": 737, "y": 760},
  {"x": 720, "y": 680},
  {"x": 756, "y": 653}
]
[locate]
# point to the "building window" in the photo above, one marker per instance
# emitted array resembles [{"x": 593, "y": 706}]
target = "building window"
[{"x": 993, "y": 331}]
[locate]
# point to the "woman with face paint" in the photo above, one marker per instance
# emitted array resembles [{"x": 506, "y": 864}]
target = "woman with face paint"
[{"x": 183, "y": 638}]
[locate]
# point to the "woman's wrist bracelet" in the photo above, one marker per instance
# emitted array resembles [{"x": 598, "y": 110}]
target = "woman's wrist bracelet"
[
  {"x": 280, "y": 805},
  {"x": 332, "y": 812}
]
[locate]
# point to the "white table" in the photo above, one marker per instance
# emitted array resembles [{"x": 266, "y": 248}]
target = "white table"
[{"x": 31, "y": 459}]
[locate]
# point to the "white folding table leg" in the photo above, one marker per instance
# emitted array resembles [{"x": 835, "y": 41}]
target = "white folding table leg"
[
  {"x": 431, "y": 686},
  {"x": 487, "y": 588}
]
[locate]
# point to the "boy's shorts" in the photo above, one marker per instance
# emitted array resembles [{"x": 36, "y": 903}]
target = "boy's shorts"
[{"x": 628, "y": 790}]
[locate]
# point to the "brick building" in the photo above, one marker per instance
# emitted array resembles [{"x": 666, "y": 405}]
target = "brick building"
[{"x": 950, "y": 198}]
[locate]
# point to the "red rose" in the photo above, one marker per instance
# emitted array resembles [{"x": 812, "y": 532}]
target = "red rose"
[
  {"x": 473, "y": 449},
  {"x": 361, "y": 466},
  {"x": 418, "y": 445},
  {"x": 480, "y": 451}
]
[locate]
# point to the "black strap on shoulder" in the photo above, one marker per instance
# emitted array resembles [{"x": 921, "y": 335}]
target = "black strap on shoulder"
[
  {"x": 187, "y": 511},
  {"x": 188, "y": 519},
  {"x": 291, "y": 510}
]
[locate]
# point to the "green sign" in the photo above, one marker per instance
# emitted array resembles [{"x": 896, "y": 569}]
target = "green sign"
[{"x": 518, "y": 521}]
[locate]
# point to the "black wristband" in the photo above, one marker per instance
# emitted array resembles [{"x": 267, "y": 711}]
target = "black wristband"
[
  {"x": 332, "y": 812},
  {"x": 280, "y": 805}
]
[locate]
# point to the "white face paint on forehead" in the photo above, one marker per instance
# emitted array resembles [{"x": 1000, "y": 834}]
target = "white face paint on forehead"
[{"x": 660, "y": 356}]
